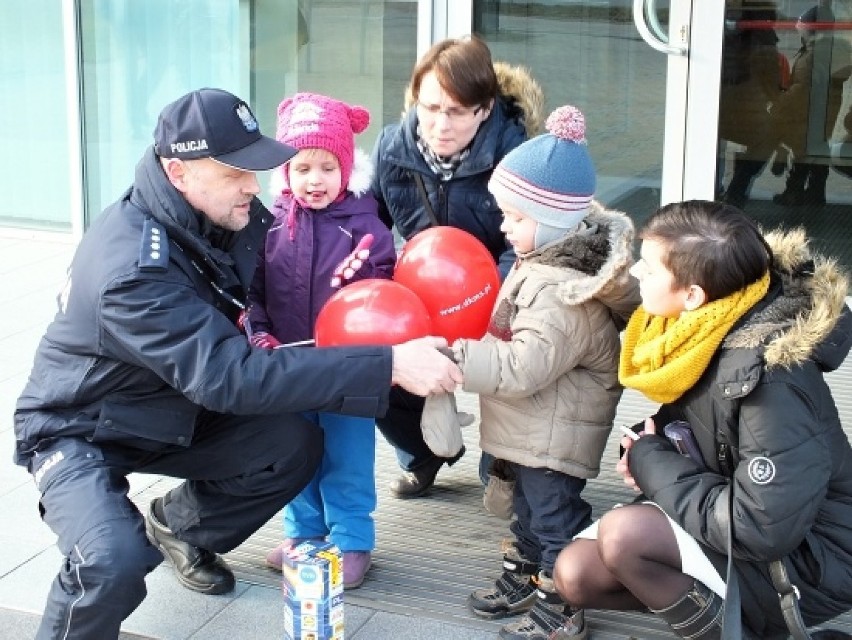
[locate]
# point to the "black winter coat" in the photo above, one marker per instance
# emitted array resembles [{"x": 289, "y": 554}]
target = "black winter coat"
[
  {"x": 769, "y": 431},
  {"x": 145, "y": 336}
]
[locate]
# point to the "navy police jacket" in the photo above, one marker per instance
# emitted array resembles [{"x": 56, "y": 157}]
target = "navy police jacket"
[{"x": 145, "y": 337}]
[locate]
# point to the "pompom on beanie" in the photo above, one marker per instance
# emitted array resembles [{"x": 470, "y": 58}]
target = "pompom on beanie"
[
  {"x": 550, "y": 178},
  {"x": 314, "y": 121}
]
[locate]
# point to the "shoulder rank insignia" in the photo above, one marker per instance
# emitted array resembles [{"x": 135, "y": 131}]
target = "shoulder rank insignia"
[{"x": 154, "y": 249}]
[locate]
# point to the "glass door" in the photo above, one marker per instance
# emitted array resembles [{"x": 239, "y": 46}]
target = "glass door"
[
  {"x": 785, "y": 117},
  {"x": 589, "y": 53},
  {"x": 749, "y": 101},
  {"x": 138, "y": 56}
]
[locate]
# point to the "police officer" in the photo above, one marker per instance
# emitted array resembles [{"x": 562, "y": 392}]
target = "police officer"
[{"x": 144, "y": 369}]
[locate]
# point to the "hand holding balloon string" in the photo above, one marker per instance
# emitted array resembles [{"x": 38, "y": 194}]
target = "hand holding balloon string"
[{"x": 264, "y": 340}]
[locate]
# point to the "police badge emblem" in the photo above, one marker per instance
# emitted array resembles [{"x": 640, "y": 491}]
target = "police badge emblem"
[{"x": 246, "y": 117}]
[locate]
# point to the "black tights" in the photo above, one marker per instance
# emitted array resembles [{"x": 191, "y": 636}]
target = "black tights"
[{"x": 634, "y": 563}]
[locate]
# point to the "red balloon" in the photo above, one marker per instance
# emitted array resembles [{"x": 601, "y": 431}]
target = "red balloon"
[
  {"x": 370, "y": 312},
  {"x": 456, "y": 278}
]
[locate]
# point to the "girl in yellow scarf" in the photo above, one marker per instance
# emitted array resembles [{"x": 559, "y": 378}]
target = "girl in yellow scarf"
[{"x": 739, "y": 354}]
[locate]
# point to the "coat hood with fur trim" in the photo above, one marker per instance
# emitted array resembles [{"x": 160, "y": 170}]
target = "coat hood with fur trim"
[
  {"x": 801, "y": 321},
  {"x": 600, "y": 261}
]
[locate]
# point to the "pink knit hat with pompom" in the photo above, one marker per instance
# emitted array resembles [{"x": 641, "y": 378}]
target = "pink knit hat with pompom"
[{"x": 314, "y": 121}]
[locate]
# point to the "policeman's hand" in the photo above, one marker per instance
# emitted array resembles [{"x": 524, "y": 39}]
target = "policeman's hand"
[
  {"x": 420, "y": 368},
  {"x": 264, "y": 340},
  {"x": 354, "y": 261},
  {"x": 622, "y": 467}
]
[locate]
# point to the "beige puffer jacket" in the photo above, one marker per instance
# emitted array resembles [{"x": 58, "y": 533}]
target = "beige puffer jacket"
[{"x": 547, "y": 371}]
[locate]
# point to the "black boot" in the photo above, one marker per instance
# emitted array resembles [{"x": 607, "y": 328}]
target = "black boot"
[
  {"x": 745, "y": 171},
  {"x": 413, "y": 484},
  {"x": 196, "y": 568},
  {"x": 815, "y": 191},
  {"x": 697, "y": 615},
  {"x": 513, "y": 592}
]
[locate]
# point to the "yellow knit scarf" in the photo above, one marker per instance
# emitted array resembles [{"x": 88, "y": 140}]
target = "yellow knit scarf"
[{"x": 664, "y": 357}]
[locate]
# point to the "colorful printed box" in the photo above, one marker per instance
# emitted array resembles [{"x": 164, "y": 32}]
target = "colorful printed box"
[{"x": 313, "y": 592}]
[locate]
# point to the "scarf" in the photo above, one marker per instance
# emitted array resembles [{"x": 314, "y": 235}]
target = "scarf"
[
  {"x": 443, "y": 167},
  {"x": 664, "y": 357}
]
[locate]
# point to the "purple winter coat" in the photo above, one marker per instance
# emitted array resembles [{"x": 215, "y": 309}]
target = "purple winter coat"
[{"x": 293, "y": 277}]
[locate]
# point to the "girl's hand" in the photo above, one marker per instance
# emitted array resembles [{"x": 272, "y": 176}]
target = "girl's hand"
[
  {"x": 621, "y": 466},
  {"x": 354, "y": 261},
  {"x": 264, "y": 340}
]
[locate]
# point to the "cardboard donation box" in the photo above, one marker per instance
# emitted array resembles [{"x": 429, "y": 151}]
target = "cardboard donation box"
[{"x": 313, "y": 592}]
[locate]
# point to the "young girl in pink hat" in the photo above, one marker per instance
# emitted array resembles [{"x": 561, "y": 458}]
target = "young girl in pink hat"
[{"x": 326, "y": 233}]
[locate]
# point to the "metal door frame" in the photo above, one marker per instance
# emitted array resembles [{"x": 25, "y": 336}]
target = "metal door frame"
[{"x": 693, "y": 45}]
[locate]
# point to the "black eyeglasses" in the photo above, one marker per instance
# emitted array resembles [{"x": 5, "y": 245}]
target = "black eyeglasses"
[{"x": 454, "y": 114}]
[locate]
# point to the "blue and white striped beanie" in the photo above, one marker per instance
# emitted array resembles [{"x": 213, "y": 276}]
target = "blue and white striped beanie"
[{"x": 550, "y": 178}]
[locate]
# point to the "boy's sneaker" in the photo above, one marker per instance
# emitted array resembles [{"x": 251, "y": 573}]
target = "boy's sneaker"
[
  {"x": 355, "y": 567},
  {"x": 513, "y": 592},
  {"x": 549, "y": 619},
  {"x": 275, "y": 558}
]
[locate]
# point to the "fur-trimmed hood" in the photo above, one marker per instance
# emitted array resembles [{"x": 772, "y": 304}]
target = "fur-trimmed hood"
[
  {"x": 801, "y": 322},
  {"x": 600, "y": 259},
  {"x": 521, "y": 91},
  {"x": 518, "y": 85}
]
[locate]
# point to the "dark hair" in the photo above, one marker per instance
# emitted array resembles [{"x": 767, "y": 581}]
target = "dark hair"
[
  {"x": 464, "y": 69},
  {"x": 711, "y": 244}
]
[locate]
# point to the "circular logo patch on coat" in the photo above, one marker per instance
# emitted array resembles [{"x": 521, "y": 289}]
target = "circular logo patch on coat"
[{"x": 761, "y": 470}]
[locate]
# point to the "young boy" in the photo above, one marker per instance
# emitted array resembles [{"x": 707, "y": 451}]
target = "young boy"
[{"x": 547, "y": 370}]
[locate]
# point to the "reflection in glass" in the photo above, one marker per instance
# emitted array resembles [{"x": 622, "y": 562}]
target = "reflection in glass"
[
  {"x": 589, "y": 54},
  {"x": 359, "y": 51},
  {"x": 784, "y": 117},
  {"x": 137, "y": 57}
]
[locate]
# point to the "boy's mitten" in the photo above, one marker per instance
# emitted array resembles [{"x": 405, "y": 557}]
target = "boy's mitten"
[{"x": 441, "y": 423}]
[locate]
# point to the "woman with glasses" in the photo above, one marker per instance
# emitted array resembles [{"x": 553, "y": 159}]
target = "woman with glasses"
[{"x": 463, "y": 114}]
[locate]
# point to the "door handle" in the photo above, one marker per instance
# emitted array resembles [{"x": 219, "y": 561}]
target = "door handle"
[{"x": 656, "y": 40}]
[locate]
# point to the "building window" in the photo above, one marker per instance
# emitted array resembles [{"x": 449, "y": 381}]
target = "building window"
[{"x": 34, "y": 130}]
